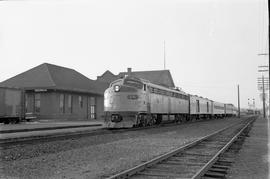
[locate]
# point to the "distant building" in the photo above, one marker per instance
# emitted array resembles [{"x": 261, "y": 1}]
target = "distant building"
[
  {"x": 55, "y": 92},
  {"x": 159, "y": 77}
]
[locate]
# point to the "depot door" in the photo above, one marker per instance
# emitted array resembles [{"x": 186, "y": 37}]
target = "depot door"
[{"x": 91, "y": 108}]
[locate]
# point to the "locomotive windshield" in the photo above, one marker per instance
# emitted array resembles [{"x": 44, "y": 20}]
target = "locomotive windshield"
[{"x": 134, "y": 83}]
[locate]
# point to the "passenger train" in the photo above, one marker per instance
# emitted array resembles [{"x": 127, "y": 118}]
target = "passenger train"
[{"x": 134, "y": 102}]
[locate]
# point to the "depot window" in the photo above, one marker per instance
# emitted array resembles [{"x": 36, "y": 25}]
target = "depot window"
[
  {"x": 80, "y": 101},
  {"x": 62, "y": 103},
  {"x": 70, "y": 103},
  {"x": 37, "y": 103}
]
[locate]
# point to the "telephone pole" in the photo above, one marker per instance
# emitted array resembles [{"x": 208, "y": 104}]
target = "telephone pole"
[
  {"x": 263, "y": 97},
  {"x": 263, "y": 84},
  {"x": 238, "y": 101},
  {"x": 164, "y": 55},
  {"x": 268, "y": 67}
]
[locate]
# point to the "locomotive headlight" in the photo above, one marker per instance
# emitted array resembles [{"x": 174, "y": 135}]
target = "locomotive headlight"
[{"x": 116, "y": 88}]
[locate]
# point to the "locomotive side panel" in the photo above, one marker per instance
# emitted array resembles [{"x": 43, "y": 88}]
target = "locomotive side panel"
[
  {"x": 179, "y": 106},
  {"x": 158, "y": 104}
]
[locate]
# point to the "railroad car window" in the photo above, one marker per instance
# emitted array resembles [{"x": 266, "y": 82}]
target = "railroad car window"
[
  {"x": 134, "y": 83},
  {"x": 207, "y": 106},
  {"x": 197, "y": 106},
  {"x": 219, "y": 107},
  {"x": 163, "y": 92}
]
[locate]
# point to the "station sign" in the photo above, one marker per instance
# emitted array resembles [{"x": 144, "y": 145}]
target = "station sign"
[{"x": 40, "y": 90}]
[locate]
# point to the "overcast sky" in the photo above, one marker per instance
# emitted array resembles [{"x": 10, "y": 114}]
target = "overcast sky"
[{"x": 211, "y": 45}]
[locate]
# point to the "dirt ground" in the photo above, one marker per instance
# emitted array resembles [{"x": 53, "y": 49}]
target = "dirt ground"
[{"x": 252, "y": 162}]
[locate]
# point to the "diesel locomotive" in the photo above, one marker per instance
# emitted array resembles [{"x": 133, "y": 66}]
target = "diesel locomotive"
[{"x": 134, "y": 102}]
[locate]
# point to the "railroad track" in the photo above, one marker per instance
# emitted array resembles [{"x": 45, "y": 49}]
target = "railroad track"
[
  {"x": 7, "y": 143},
  {"x": 203, "y": 158}
]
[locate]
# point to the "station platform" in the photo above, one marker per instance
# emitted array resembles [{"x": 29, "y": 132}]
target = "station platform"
[
  {"x": 43, "y": 128},
  {"x": 253, "y": 159}
]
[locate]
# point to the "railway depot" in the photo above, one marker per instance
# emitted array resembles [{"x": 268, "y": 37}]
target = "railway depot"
[
  {"x": 54, "y": 92},
  {"x": 58, "y": 93}
]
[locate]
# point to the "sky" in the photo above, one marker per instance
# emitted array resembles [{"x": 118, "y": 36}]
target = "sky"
[{"x": 211, "y": 45}]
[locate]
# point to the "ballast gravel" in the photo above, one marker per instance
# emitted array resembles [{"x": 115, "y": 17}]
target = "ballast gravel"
[{"x": 102, "y": 155}]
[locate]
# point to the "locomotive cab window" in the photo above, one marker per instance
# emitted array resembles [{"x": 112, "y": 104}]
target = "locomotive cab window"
[
  {"x": 144, "y": 87},
  {"x": 133, "y": 83}
]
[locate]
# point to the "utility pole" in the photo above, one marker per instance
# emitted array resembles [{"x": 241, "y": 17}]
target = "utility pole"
[
  {"x": 164, "y": 55},
  {"x": 267, "y": 54},
  {"x": 238, "y": 101},
  {"x": 263, "y": 97},
  {"x": 263, "y": 84},
  {"x": 254, "y": 106}
]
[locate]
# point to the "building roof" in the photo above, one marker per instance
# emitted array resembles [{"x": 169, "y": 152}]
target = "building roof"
[
  {"x": 107, "y": 77},
  {"x": 159, "y": 77},
  {"x": 51, "y": 76}
]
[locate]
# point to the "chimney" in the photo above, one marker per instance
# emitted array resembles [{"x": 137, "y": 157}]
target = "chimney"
[{"x": 129, "y": 71}]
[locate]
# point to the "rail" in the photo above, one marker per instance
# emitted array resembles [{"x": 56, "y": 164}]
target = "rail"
[{"x": 132, "y": 171}]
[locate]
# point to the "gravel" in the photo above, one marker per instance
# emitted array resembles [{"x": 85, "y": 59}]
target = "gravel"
[
  {"x": 253, "y": 158},
  {"x": 102, "y": 155}
]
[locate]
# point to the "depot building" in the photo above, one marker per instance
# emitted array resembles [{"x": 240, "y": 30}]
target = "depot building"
[{"x": 55, "y": 92}]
